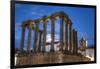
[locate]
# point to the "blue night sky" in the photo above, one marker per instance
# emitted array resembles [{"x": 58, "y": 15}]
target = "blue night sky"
[{"x": 82, "y": 19}]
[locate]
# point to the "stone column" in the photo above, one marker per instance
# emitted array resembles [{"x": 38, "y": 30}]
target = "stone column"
[
  {"x": 73, "y": 36},
  {"x": 72, "y": 48},
  {"x": 22, "y": 37},
  {"x": 74, "y": 42},
  {"x": 44, "y": 33},
  {"x": 70, "y": 35},
  {"x": 66, "y": 35},
  {"x": 61, "y": 32},
  {"x": 29, "y": 34},
  {"x": 29, "y": 40},
  {"x": 52, "y": 33},
  {"x": 36, "y": 35},
  {"x": 40, "y": 36}
]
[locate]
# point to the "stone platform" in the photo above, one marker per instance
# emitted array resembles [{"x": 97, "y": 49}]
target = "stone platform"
[{"x": 48, "y": 58}]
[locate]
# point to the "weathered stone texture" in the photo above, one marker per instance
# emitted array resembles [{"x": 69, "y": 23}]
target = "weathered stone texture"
[{"x": 47, "y": 58}]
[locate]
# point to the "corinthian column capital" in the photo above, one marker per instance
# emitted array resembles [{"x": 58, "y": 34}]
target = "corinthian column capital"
[
  {"x": 30, "y": 23},
  {"x": 45, "y": 19},
  {"x": 24, "y": 24},
  {"x": 53, "y": 18},
  {"x": 69, "y": 22}
]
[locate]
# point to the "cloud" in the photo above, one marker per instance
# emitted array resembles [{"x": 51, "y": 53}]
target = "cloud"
[
  {"x": 48, "y": 38},
  {"x": 36, "y": 14}
]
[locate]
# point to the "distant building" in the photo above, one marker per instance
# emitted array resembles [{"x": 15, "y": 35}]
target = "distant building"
[{"x": 83, "y": 44}]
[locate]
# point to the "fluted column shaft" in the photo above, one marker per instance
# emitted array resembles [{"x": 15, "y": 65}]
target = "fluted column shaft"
[
  {"x": 74, "y": 42},
  {"x": 72, "y": 48},
  {"x": 66, "y": 36},
  {"x": 22, "y": 38},
  {"x": 36, "y": 36},
  {"x": 61, "y": 32},
  {"x": 44, "y": 35},
  {"x": 29, "y": 39},
  {"x": 70, "y": 35},
  {"x": 52, "y": 34},
  {"x": 40, "y": 36}
]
